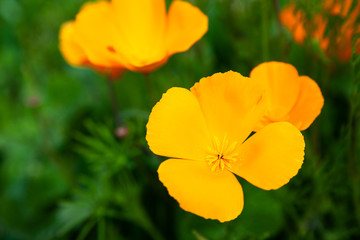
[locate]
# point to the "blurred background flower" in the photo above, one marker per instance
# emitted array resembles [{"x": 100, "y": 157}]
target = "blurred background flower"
[
  {"x": 335, "y": 39},
  {"x": 130, "y": 34}
]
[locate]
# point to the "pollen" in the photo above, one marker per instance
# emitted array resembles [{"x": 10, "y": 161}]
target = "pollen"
[{"x": 221, "y": 154}]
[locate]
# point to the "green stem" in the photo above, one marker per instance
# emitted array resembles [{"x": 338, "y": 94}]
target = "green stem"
[
  {"x": 228, "y": 230},
  {"x": 149, "y": 88},
  {"x": 114, "y": 101},
  {"x": 265, "y": 30},
  {"x": 136, "y": 213},
  {"x": 277, "y": 10},
  {"x": 323, "y": 80},
  {"x": 354, "y": 117},
  {"x": 145, "y": 222},
  {"x": 139, "y": 217},
  {"x": 198, "y": 236},
  {"x": 133, "y": 209},
  {"x": 101, "y": 227},
  {"x": 85, "y": 230}
]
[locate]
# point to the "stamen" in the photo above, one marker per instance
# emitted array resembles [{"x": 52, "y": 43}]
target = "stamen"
[{"x": 221, "y": 154}]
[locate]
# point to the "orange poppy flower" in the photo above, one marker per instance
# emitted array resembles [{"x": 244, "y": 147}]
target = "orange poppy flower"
[
  {"x": 290, "y": 97},
  {"x": 205, "y": 133},
  {"x": 76, "y": 56},
  {"x": 338, "y": 7},
  {"x": 130, "y": 34},
  {"x": 338, "y": 41},
  {"x": 295, "y": 20},
  {"x": 347, "y": 31}
]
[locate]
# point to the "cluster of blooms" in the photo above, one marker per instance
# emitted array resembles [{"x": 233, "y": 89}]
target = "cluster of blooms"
[
  {"x": 336, "y": 42},
  {"x": 205, "y": 131}
]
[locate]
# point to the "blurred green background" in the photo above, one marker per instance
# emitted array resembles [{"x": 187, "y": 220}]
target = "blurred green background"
[{"x": 64, "y": 174}]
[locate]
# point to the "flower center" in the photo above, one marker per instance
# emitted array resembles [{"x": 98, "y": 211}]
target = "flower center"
[{"x": 221, "y": 154}]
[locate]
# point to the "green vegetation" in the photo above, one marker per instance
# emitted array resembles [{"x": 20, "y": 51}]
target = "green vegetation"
[{"x": 64, "y": 174}]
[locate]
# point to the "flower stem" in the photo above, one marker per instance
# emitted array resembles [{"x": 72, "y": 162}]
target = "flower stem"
[
  {"x": 114, "y": 101},
  {"x": 265, "y": 30},
  {"x": 354, "y": 118},
  {"x": 136, "y": 213},
  {"x": 277, "y": 10},
  {"x": 101, "y": 233},
  {"x": 150, "y": 88},
  {"x": 148, "y": 225},
  {"x": 86, "y": 229}
]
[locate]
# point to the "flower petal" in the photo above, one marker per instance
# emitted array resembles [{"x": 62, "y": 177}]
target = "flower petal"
[
  {"x": 213, "y": 195},
  {"x": 97, "y": 34},
  {"x": 142, "y": 27},
  {"x": 177, "y": 128},
  {"x": 308, "y": 105},
  {"x": 294, "y": 20},
  {"x": 72, "y": 51},
  {"x": 336, "y": 7},
  {"x": 186, "y": 25},
  {"x": 272, "y": 156},
  {"x": 282, "y": 87},
  {"x": 232, "y": 104}
]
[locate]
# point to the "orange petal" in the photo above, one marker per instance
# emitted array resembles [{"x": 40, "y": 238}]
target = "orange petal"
[
  {"x": 272, "y": 156},
  {"x": 97, "y": 34},
  {"x": 282, "y": 88},
  {"x": 299, "y": 34},
  {"x": 142, "y": 27},
  {"x": 308, "y": 105},
  {"x": 177, "y": 127},
  {"x": 72, "y": 51},
  {"x": 186, "y": 25},
  {"x": 232, "y": 104},
  {"x": 320, "y": 24},
  {"x": 75, "y": 55},
  {"x": 293, "y": 20},
  {"x": 288, "y": 17},
  {"x": 198, "y": 190},
  {"x": 346, "y": 7},
  {"x": 145, "y": 69},
  {"x": 338, "y": 7}
]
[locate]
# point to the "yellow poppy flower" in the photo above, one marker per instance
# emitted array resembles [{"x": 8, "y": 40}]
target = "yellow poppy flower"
[
  {"x": 290, "y": 97},
  {"x": 204, "y": 131},
  {"x": 130, "y": 34},
  {"x": 75, "y": 55}
]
